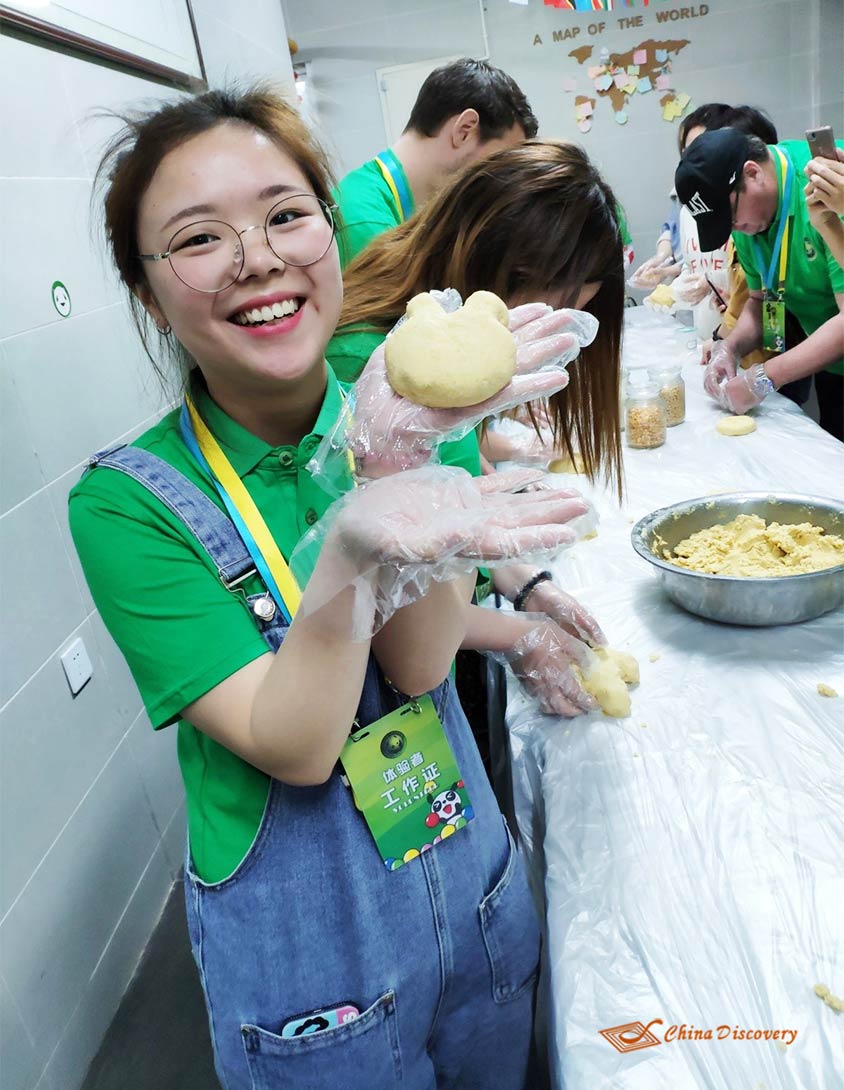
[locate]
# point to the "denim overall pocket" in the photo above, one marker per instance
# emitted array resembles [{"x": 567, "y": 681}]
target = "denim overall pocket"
[
  {"x": 360, "y": 1055},
  {"x": 511, "y": 930}
]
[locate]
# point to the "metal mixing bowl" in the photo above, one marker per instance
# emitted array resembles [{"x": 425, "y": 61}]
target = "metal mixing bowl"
[{"x": 781, "y": 600}]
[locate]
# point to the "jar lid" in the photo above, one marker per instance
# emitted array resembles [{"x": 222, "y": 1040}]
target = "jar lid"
[
  {"x": 644, "y": 390},
  {"x": 668, "y": 370}
]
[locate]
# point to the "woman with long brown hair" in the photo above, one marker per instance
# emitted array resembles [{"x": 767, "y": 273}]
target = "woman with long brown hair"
[{"x": 535, "y": 222}]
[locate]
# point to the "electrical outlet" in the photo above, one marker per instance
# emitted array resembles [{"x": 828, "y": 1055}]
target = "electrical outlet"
[{"x": 77, "y": 666}]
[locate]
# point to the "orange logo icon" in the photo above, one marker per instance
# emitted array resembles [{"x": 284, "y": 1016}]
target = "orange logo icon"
[{"x": 631, "y": 1036}]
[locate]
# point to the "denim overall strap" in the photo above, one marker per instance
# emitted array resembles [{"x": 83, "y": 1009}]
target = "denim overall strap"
[{"x": 209, "y": 525}]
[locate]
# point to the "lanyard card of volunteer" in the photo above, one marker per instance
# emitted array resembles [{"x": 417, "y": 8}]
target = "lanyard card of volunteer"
[
  {"x": 401, "y": 768},
  {"x": 773, "y": 303},
  {"x": 405, "y": 780}
]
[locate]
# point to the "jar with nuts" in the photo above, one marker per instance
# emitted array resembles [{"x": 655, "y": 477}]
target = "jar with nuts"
[
  {"x": 672, "y": 390},
  {"x": 644, "y": 415}
]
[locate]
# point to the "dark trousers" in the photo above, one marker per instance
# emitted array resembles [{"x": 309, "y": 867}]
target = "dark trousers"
[{"x": 829, "y": 389}]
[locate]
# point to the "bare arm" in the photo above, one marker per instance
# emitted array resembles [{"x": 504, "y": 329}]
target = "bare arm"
[
  {"x": 416, "y": 646},
  {"x": 278, "y": 713},
  {"x": 747, "y": 334},
  {"x": 492, "y": 630},
  {"x": 824, "y": 346}
]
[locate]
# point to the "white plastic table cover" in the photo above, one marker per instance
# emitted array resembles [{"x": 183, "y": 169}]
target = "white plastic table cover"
[{"x": 693, "y": 854}]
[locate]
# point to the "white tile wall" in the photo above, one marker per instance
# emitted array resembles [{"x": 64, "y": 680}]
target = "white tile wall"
[
  {"x": 89, "y": 1021},
  {"x": 20, "y": 471},
  {"x": 54, "y": 935},
  {"x": 92, "y": 819},
  {"x": 41, "y": 603}
]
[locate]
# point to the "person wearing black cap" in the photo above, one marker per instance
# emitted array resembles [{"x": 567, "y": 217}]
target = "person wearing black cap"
[{"x": 732, "y": 182}]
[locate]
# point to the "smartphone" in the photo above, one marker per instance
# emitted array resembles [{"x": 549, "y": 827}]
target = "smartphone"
[
  {"x": 320, "y": 1019},
  {"x": 821, "y": 142},
  {"x": 718, "y": 294}
]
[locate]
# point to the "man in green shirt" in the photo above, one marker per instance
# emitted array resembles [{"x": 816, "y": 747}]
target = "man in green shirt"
[
  {"x": 729, "y": 180},
  {"x": 464, "y": 111}
]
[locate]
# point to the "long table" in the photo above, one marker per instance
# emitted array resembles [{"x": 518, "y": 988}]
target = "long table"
[{"x": 691, "y": 857}]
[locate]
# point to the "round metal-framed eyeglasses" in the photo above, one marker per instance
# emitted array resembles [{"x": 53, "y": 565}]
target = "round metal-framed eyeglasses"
[{"x": 208, "y": 255}]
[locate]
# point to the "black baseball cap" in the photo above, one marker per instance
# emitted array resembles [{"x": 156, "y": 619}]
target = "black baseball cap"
[{"x": 708, "y": 172}]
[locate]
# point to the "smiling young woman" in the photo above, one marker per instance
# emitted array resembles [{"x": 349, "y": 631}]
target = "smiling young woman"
[{"x": 218, "y": 215}]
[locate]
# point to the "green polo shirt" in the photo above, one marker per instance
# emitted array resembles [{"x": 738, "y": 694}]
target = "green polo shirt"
[
  {"x": 623, "y": 229},
  {"x": 367, "y": 208},
  {"x": 813, "y": 276},
  {"x": 179, "y": 629}
]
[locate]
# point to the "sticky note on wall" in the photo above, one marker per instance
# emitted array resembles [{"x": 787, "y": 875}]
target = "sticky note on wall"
[{"x": 640, "y": 56}]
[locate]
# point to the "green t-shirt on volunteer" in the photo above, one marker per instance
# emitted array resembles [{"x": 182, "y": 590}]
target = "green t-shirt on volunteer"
[
  {"x": 623, "y": 229},
  {"x": 813, "y": 276},
  {"x": 367, "y": 208},
  {"x": 179, "y": 629}
]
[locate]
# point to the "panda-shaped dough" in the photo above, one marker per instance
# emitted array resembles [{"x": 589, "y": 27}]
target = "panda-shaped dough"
[{"x": 449, "y": 361}]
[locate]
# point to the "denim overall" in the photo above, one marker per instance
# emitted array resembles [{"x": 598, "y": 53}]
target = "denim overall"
[{"x": 440, "y": 956}]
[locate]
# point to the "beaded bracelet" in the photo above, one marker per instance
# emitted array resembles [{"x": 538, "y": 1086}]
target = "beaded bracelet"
[{"x": 522, "y": 596}]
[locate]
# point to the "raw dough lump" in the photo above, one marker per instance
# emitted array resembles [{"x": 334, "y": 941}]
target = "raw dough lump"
[
  {"x": 822, "y": 992},
  {"x": 448, "y": 361},
  {"x": 608, "y": 679},
  {"x": 567, "y": 465},
  {"x": 749, "y": 548},
  {"x": 826, "y": 690},
  {"x": 736, "y": 425}
]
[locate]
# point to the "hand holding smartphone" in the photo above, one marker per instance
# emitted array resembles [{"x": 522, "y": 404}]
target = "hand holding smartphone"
[
  {"x": 825, "y": 171},
  {"x": 821, "y": 142}
]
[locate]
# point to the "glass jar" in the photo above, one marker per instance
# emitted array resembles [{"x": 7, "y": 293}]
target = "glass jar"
[
  {"x": 644, "y": 413},
  {"x": 672, "y": 390}
]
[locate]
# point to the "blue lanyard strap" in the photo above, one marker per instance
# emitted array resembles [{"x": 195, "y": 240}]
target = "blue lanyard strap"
[
  {"x": 270, "y": 583},
  {"x": 768, "y": 278},
  {"x": 392, "y": 171}
]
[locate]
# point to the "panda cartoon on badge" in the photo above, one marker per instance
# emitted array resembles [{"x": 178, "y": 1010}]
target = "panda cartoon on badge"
[{"x": 445, "y": 807}]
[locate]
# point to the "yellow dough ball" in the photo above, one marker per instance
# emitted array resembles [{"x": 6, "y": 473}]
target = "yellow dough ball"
[
  {"x": 736, "y": 425},
  {"x": 448, "y": 361},
  {"x": 608, "y": 678}
]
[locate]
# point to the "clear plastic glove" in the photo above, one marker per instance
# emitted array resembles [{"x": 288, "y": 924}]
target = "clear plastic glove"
[
  {"x": 690, "y": 289},
  {"x": 568, "y": 613},
  {"x": 542, "y": 660},
  {"x": 706, "y": 350},
  {"x": 653, "y": 271},
  {"x": 387, "y": 433},
  {"x": 723, "y": 365},
  {"x": 390, "y": 538},
  {"x": 510, "y": 441},
  {"x": 744, "y": 391}
]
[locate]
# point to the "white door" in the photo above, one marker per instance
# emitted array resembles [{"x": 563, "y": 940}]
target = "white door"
[{"x": 398, "y": 87}]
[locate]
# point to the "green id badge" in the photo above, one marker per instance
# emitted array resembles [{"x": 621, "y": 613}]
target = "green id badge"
[
  {"x": 773, "y": 321},
  {"x": 406, "y": 781}
]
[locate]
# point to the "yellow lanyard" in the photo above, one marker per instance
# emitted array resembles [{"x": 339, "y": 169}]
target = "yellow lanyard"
[
  {"x": 784, "y": 247},
  {"x": 235, "y": 489}
]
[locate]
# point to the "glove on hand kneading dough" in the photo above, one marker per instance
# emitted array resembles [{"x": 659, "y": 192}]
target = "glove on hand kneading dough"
[{"x": 449, "y": 361}]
